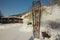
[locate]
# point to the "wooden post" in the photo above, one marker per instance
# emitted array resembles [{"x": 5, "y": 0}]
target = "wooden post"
[{"x": 36, "y": 14}]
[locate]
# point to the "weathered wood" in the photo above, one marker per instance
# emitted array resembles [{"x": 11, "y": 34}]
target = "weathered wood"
[{"x": 36, "y": 13}]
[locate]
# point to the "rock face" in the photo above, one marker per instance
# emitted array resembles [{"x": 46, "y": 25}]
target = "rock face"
[{"x": 45, "y": 35}]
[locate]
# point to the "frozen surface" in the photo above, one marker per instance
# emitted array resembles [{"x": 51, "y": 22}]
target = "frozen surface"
[{"x": 14, "y": 32}]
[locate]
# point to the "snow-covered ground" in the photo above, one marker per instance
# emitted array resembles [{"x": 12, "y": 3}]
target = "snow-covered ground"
[
  {"x": 53, "y": 15},
  {"x": 15, "y": 32},
  {"x": 25, "y": 32}
]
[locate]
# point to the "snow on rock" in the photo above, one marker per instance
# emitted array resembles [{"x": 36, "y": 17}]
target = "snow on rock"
[
  {"x": 55, "y": 13},
  {"x": 54, "y": 16}
]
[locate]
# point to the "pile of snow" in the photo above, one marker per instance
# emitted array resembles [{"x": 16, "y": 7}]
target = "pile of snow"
[
  {"x": 53, "y": 13},
  {"x": 26, "y": 28},
  {"x": 15, "y": 32},
  {"x": 54, "y": 16}
]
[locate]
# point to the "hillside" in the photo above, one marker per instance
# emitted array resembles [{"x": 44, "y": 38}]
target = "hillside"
[{"x": 28, "y": 14}]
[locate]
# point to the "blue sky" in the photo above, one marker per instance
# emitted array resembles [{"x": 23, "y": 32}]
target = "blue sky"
[{"x": 10, "y": 7}]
